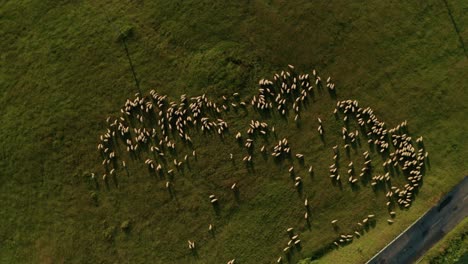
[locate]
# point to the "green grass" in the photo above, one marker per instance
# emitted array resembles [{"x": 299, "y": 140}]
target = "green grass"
[
  {"x": 63, "y": 71},
  {"x": 451, "y": 249}
]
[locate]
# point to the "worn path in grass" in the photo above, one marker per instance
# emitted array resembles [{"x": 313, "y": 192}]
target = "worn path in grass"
[{"x": 429, "y": 229}]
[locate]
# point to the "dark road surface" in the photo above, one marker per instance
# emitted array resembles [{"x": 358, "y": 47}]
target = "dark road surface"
[{"x": 428, "y": 229}]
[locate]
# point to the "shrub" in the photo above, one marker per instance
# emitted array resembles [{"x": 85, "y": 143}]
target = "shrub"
[
  {"x": 125, "y": 33},
  {"x": 125, "y": 226},
  {"x": 94, "y": 198}
]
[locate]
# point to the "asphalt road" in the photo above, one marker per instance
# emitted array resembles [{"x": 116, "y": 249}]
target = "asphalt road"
[{"x": 410, "y": 245}]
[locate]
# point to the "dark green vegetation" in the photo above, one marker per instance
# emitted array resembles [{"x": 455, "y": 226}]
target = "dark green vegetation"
[
  {"x": 451, "y": 249},
  {"x": 64, "y": 70}
]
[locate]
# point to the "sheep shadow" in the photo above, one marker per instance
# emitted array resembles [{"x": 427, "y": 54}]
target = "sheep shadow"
[
  {"x": 332, "y": 94},
  {"x": 236, "y": 193},
  {"x": 355, "y": 187},
  {"x": 115, "y": 180}
]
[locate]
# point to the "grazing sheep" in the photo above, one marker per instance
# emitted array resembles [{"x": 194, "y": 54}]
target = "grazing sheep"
[{"x": 191, "y": 245}]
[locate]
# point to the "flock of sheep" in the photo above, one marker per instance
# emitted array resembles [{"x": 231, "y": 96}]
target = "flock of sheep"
[
  {"x": 404, "y": 156},
  {"x": 150, "y": 128},
  {"x": 151, "y": 125},
  {"x": 288, "y": 90}
]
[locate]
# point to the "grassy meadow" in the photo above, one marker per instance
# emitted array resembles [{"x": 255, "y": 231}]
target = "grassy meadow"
[{"x": 64, "y": 70}]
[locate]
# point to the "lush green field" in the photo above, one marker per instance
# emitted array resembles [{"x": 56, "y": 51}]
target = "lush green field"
[
  {"x": 451, "y": 249},
  {"x": 64, "y": 70}
]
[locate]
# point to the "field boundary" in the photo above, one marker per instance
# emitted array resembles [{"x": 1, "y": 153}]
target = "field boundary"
[
  {"x": 428, "y": 229},
  {"x": 462, "y": 43}
]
